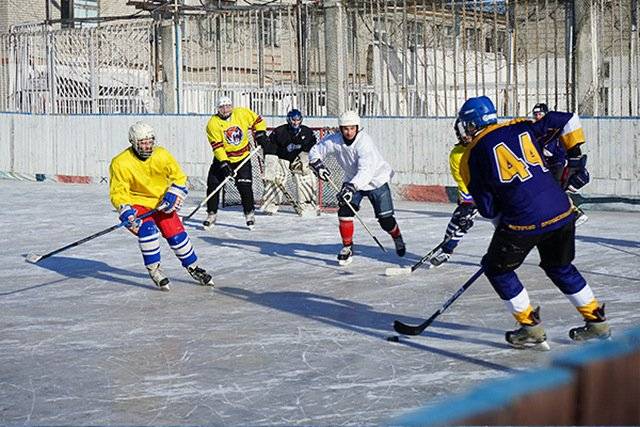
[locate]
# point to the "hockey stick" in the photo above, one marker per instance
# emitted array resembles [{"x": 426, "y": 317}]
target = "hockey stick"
[
  {"x": 289, "y": 197},
  {"x": 335, "y": 187},
  {"x": 398, "y": 271},
  {"x": 222, "y": 184},
  {"x": 34, "y": 258},
  {"x": 404, "y": 329}
]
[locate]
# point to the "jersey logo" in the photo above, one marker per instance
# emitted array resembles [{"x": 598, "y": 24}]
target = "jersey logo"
[{"x": 233, "y": 135}]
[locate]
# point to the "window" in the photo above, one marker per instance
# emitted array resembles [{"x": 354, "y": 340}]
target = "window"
[
  {"x": 270, "y": 27},
  {"x": 86, "y": 9}
]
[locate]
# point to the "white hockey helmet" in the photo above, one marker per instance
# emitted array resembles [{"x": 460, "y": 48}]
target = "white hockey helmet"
[
  {"x": 141, "y": 131},
  {"x": 224, "y": 100},
  {"x": 349, "y": 118}
]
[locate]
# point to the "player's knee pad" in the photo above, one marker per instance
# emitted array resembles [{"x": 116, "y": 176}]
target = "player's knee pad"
[
  {"x": 148, "y": 239},
  {"x": 387, "y": 223},
  {"x": 182, "y": 247},
  {"x": 566, "y": 277}
]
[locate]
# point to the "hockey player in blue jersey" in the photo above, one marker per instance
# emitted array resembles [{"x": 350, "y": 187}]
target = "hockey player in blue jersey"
[
  {"x": 555, "y": 156},
  {"x": 510, "y": 184}
]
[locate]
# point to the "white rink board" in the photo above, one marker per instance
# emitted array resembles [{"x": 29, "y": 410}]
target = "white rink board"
[{"x": 416, "y": 148}]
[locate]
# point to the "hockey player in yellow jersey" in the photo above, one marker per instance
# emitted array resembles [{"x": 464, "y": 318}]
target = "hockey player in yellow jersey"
[
  {"x": 227, "y": 132},
  {"x": 144, "y": 177},
  {"x": 462, "y": 218}
]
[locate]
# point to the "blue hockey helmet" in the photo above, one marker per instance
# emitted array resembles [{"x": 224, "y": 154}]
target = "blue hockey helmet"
[
  {"x": 477, "y": 113},
  {"x": 294, "y": 115}
]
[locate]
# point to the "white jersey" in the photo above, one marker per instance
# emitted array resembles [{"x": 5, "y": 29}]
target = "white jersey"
[{"x": 361, "y": 161}]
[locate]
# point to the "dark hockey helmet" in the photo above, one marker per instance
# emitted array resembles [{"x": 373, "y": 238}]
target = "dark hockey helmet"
[
  {"x": 294, "y": 118},
  {"x": 539, "y": 110},
  {"x": 461, "y": 134}
]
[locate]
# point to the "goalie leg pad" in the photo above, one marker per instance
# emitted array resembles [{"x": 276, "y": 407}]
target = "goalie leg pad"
[
  {"x": 148, "y": 239},
  {"x": 271, "y": 199},
  {"x": 182, "y": 247},
  {"x": 305, "y": 185}
]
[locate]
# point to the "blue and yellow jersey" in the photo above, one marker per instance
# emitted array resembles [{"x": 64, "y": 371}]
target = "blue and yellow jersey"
[
  {"x": 137, "y": 182},
  {"x": 455, "y": 156},
  {"x": 507, "y": 177},
  {"x": 229, "y": 138}
]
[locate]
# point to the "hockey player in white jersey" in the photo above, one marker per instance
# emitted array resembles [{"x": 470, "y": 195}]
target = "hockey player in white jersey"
[{"x": 366, "y": 173}]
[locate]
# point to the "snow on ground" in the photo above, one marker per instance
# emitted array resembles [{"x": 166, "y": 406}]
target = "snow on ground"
[{"x": 287, "y": 337}]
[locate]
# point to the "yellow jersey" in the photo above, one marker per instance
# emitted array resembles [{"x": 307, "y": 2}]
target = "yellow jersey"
[
  {"x": 137, "y": 182},
  {"x": 454, "y": 166},
  {"x": 229, "y": 138}
]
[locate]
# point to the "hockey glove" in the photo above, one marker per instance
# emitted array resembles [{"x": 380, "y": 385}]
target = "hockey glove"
[
  {"x": 261, "y": 138},
  {"x": 271, "y": 166},
  {"x": 463, "y": 217},
  {"x": 173, "y": 199},
  {"x": 226, "y": 168},
  {"x": 128, "y": 215},
  {"x": 346, "y": 194},
  {"x": 578, "y": 175},
  {"x": 320, "y": 169}
]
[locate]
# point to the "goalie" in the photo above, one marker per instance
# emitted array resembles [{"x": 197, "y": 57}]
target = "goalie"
[{"x": 287, "y": 153}]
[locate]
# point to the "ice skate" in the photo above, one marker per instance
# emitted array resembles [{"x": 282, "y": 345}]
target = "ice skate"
[
  {"x": 401, "y": 249},
  {"x": 529, "y": 336},
  {"x": 158, "y": 276},
  {"x": 210, "y": 221},
  {"x": 581, "y": 217},
  {"x": 251, "y": 220},
  {"x": 439, "y": 258},
  {"x": 593, "y": 329},
  {"x": 201, "y": 275},
  {"x": 345, "y": 255}
]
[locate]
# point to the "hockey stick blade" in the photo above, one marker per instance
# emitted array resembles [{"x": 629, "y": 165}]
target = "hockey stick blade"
[
  {"x": 404, "y": 329},
  {"x": 397, "y": 271},
  {"x": 33, "y": 258}
]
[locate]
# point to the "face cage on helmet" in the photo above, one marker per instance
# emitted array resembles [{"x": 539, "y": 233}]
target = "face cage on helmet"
[{"x": 146, "y": 153}]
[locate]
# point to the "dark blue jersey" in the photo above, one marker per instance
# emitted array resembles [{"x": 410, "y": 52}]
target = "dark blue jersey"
[{"x": 507, "y": 176}]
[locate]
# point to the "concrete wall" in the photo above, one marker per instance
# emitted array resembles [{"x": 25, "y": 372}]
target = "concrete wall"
[{"x": 416, "y": 148}]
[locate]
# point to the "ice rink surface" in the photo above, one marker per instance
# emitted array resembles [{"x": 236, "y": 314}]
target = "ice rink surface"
[{"x": 287, "y": 337}]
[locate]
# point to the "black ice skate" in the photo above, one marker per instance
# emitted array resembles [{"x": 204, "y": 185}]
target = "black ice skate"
[
  {"x": 401, "y": 249},
  {"x": 593, "y": 329},
  {"x": 158, "y": 276},
  {"x": 529, "y": 336},
  {"x": 251, "y": 220},
  {"x": 201, "y": 275},
  {"x": 345, "y": 255}
]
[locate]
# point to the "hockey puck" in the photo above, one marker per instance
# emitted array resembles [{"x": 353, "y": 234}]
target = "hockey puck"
[{"x": 393, "y": 338}]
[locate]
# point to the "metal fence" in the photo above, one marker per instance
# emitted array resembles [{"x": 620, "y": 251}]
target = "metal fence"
[{"x": 401, "y": 58}]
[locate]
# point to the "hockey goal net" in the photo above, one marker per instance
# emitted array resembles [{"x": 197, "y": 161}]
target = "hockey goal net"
[{"x": 325, "y": 194}]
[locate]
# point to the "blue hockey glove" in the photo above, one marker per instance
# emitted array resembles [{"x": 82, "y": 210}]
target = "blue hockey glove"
[
  {"x": 129, "y": 216},
  {"x": 346, "y": 194},
  {"x": 578, "y": 175},
  {"x": 173, "y": 198},
  {"x": 321, "y": 170}
]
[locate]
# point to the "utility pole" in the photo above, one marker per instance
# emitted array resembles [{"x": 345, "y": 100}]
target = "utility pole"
[
  {"x": 47, "y": 13},
  {"x": 66, "y": 13}
]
